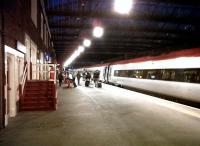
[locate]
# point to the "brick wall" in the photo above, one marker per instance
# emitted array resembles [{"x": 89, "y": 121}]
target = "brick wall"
[
  {"x": 1, "y": 69},
  {"x": 18, "y": 22}
]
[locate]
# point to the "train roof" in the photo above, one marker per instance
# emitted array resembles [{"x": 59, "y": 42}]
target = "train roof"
[{"x": 194, "y": 52}]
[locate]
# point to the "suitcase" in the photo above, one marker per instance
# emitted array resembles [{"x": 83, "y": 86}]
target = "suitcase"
[
  {"x": 87, "y": 83},
  {"x": 99, "y": 85}
]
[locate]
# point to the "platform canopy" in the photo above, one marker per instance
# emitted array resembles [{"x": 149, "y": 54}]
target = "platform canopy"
[{"x": 152, "y": 27}]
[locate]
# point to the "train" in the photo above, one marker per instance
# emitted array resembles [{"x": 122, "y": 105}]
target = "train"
[{"x": 175, "y": 74}]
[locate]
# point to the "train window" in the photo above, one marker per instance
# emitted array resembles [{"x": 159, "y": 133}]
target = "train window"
[
  {"x": 180, "y": 75},
  {"x": 116, "y": 73},
  {"x": 139, "y": 74},
  {"x": 152, "y": 74},
  {"x": 168, "y": 75},
  {"x": 192, "y": 76},
  {"x": 132, "y": 74},
  {"x": 121, "y": 73}
]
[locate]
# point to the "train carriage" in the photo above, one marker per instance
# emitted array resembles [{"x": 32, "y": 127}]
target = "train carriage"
[{"x": 176, "y": 74}]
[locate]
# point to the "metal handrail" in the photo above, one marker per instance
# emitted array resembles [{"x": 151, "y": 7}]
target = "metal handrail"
[
  {"x": 23, "y": 80},
  {"x": 46, "y": 70}
]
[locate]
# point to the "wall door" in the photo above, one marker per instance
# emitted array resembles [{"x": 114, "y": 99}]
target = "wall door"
[{"x": 11, "y": 86}]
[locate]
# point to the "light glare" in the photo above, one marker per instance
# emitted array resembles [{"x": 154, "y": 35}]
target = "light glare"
[
  {"x": 72, "y": 58},
  {"x": 81, "y": 49},
  {"x": 98, "y": 31},
  {"x": 123, "y": 6},
  {"x": 87, "y": 43},
  {"x": 76, "y": 53}
]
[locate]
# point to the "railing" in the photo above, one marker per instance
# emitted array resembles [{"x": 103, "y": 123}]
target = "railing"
[
  {"x": 44, "y": 72},
  {"x": 22, "y": 82}
]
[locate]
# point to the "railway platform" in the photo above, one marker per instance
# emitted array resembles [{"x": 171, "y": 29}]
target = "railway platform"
[{"x": 107, "y": 116}]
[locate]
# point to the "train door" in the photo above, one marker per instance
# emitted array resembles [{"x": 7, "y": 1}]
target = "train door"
[
  {"x": 105, "y": 74},
  {"x": 109, "y": 73}
]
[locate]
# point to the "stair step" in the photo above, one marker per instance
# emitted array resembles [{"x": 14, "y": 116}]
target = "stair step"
[
  {"x": 30, "y": 93},
  {"x": 38, "y": 96},
  {"x": 39, "y": 104},
  {"x": 35, "y": 98},
  {"x": 37, "y": 86},
  {"x": 36, "y": 89},
  {"x": 36, "y": 108},
  {"x": 38, "y": 99},
  {"x": 35, "y": 93}
]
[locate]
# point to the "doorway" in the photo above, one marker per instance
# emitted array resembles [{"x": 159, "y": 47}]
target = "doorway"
[{"x": 11, "y": 98}]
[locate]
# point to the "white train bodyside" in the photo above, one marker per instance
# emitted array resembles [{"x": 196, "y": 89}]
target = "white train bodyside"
[{"x": 183, "y": 90}]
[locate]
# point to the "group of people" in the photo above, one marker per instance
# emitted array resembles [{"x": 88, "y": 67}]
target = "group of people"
[
  {"x": 71, "y": 77},
  {"x": 67, "y": 78}
]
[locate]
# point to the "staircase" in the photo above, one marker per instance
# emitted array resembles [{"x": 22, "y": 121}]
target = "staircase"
[{"x": 38, "y": 96}]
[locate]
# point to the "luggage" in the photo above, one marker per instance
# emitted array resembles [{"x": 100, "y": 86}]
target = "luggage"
[
  {"x": 87, "y": 83},
  {"x": 98, "y": 84}
]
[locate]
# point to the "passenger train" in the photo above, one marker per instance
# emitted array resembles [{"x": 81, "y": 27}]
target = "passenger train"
[{"x": 175, "y": 74}]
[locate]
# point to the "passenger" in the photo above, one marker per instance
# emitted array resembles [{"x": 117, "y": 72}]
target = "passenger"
[
  {"x": 60, "y": 78},
  {"x": 84, "y": 76},
  {"x": 96, "y": 77},
  {"x": 73, "y": 79},
  {"x": 78, "y": 77},
  {"x": 88, "y": 76},
  {"x": 87, "y": 79},
  {"x": 67, "y": 79}
]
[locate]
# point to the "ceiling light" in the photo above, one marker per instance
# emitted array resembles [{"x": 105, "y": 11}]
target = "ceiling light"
[
  {"x": 123, "y": 6},
  {"x": 76, "y": 53},
  {"x": 87, "y": 42},
  {"x": 81, "y": 49},
  {"x": 73, "y": 57},
  {"x": 98, "y": 32}
]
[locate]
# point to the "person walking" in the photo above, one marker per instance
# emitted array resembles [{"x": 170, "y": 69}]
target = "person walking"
[
  {"x": 73, "y": 79},
  {"x": 78, "y": 77},
  {"x": 60, "y": 78},
  {"x": 96, "y": 77}
]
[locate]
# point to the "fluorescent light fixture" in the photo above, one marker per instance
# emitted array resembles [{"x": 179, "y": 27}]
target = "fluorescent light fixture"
[
  {"x": 87, "y": 42},
  {"x": 73, "y": 57},
  {"x": 98, "y": 32},
  {"x": 81, "y": 49},
  {"x": 76, "y": 53},
  {"x": 123, "y": 6}
]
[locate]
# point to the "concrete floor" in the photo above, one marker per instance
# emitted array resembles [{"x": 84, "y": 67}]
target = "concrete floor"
[{"x": 109, "y": 116}]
